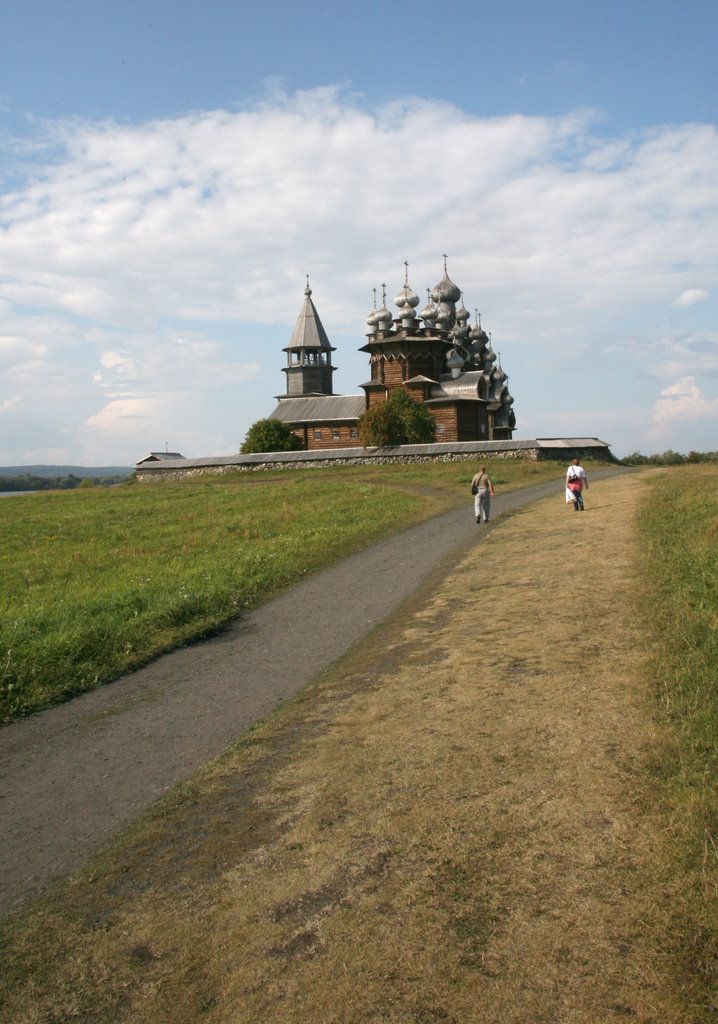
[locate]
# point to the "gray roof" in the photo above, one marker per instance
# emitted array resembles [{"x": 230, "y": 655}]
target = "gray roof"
[
  {"x": 308, "y": 330},
  {"x": 320, "y": 408},
  {"x": 571, "y": 442},
  {"x": 160, "y": 457},
  {"x": 466, "y": 386}
]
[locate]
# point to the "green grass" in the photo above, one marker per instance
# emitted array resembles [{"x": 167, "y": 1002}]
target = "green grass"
[
  {"x": 96, "y": 583},
  {"x": 679, "y": 529}
]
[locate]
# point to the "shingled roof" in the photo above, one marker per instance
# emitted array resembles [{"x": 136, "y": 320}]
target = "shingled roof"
[
  {"x": 308, "y": 331},
  {"x": 319, "y": 409}
]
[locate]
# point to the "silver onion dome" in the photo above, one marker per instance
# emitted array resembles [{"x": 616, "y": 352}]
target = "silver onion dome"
[
  {"x": 462, "y": 313},
  {"x": 371, "y": 318},
  {"x": 446, "y": 290},
  {"x": 455, "y": 362},
  {"x": 429, "y": 313},
  {"x": 489, "y": 354},
  {"x": 406, "y": 298},
  {"x": 384, "y": 319},
  {"x": 477, "y": 332},
  {"x": 444, "y": 315}
]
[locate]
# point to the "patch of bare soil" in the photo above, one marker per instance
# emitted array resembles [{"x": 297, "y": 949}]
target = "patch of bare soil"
[{"x": 454, "y": 824}]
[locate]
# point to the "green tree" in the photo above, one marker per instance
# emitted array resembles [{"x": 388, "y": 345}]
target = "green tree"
[
  {"x": 635, "y": 459},
  {"x": 399, "y": 420},
  {"x": 270, "y": 436}
]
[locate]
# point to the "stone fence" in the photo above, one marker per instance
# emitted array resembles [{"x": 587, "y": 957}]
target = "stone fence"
[{"x": 156, "y": 468}]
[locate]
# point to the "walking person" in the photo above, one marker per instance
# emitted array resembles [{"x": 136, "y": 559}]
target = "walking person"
[
  {"x": 576, "y": 480},
  {"x": 483, "y": 491}
]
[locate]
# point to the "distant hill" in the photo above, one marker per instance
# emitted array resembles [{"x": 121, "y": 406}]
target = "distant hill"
[{"x": 54, "y": 471}]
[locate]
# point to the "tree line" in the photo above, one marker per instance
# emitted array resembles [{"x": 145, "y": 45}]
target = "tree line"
[
  {"x": 669, "y": 458},
  {"x": 30, "y": 482}
]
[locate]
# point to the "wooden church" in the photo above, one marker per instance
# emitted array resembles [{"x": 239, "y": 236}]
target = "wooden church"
[{"x": 436, "y": 355}]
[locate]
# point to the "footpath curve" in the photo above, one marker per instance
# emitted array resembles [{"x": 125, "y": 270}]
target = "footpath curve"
[{"x": 72, "y": 776}]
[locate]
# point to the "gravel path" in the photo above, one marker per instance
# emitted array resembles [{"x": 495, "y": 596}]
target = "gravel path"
[{"x": 73, "y": 776}]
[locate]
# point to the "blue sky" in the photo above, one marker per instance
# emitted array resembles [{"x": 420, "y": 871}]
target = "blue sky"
[{"x": 171, "y": 172}]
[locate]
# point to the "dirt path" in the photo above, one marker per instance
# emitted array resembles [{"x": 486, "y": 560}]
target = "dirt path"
[
  {"x": 462, "y": 830},
  {"x": 72, "y": 776}
]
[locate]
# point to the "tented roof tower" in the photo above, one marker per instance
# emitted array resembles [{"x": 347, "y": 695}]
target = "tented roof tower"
[{"x": 309, "y": 367}]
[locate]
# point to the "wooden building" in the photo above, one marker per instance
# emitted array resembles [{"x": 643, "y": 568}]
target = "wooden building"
[{"x": 435, "y": 355}]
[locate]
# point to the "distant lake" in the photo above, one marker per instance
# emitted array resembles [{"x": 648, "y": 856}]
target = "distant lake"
[{"x": 10, "y": 494}]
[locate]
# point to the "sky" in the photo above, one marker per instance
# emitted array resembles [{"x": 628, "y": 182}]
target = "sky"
[{"x": 171, "y": 173}]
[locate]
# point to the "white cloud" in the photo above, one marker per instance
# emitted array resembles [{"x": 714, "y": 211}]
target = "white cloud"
[
  {"x": 117, "y": 366},
  {"x": 691, "y": 296},
  {"x": 159, "y": 391},
  {"x": 13, "y": 404},
  {"x": 134, "y": 250},
  {"x": 682, "y": 402}
]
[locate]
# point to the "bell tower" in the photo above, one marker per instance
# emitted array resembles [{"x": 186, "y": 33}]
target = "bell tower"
[{"x": 309, "y": 367}]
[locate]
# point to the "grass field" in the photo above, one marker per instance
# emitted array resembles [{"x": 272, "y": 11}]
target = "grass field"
[
  {"x": 97, "y": 582},
  {"x": 679, "y": 558},
  {"x": 454, "y": 824}
]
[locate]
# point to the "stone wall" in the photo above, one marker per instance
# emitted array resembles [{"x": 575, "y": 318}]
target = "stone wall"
[{"x": 160, "y": 471}]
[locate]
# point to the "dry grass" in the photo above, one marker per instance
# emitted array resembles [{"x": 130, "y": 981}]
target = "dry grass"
[{"x": 455, "y": 824}]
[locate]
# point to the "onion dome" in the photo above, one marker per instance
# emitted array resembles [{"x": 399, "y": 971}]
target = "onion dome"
[
  {"x": 446, "y": 290},
  {"x": 371, "y": 319},
  {"x": 408, "y": 316},
  {"x": 498, "y": 374},
  {"x": 455, "y": 362},
  {"x": 429, "y": 312},
  {"x": 477, "y": 332},
  {"x": 462, "y": 313},
  {"x": 384, "y": 319},
  {"x": 460, "y": 331},
  {"x": 444, "y": 315},
  {"x": 489, "y": 355},
  {"x": 407, "y": 299}
]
